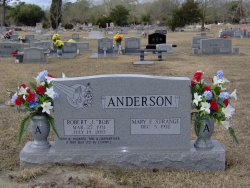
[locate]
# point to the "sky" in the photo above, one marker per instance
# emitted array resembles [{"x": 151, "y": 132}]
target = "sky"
[{"x": 41, "y": 3}]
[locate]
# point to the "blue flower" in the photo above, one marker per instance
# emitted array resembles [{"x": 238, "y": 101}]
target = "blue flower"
[
  {"x": 224, "y": 95},
  {"x": 208, "y": 95},
  {"x": 35, "y": 103},
  {"x": 219, "y": 74},
  {"x": 41, "y": 75}
]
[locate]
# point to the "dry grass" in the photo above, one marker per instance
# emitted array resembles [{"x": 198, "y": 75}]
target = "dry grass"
[{"x": 236, "y": 68}]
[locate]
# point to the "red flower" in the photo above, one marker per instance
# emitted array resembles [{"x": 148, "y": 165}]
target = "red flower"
[
  {"x": 226, "y": 101},
  {"x": 198, "y": 75},
  {"x": 23, "y": 86},
  {"x": 31, "y": 97},
  {"x": 18, "y": 101},
  {"x": 214, "y": 105},
  {"x": 49, "y": 75},
  {"x": 207, "y": 88},
  {"x": 40, "y": 89},
  {"x": 192, "y": 83}
]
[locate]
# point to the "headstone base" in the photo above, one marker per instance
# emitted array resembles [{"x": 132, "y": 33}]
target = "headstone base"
[
  {"x": 96, "y": 55},
  {"x": 193, "y": 159},
  {"x": 143, "y": 62}
]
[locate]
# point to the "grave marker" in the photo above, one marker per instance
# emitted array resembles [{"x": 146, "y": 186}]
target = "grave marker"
[
  {"x": 132, "y": 45},
  {"x": 216, "y": 46}
]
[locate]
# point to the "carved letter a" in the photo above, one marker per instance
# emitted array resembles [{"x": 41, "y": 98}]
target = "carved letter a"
[
  {"x": 38, "y": 130},
  {"x": 206, "y": 128}
]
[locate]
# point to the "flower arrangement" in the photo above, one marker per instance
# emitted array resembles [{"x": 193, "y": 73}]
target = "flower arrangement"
[
  {"x": 118, "y": 37},
  {"x": 55, "y": 37},
  {"x": 59, "y": 44},
  {"x": 38, "y": 100},
  {"x": 7, "y": 36},
  {"x": 21, "y": 38},
  {"x": 144, "y": 34},
  {"x": 71, "y": 40},
  {"x": 244, "y": 29},
  {"x": 212, "y": 101}
]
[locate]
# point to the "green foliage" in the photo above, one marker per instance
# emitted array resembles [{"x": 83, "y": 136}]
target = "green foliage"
[
  {"x": 55, "y": 13},
  {"x": 188, "y": 13},
  {"x": 102, "y": 22},
  {"x": 119, "y": 15},
  {"x": 27, "y": 14},
  {"x": 68, "y": 26},
  {"x": 145, "y": 18}
]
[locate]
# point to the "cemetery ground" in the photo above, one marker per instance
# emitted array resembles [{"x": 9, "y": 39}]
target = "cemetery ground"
[{"x": 236, "y": 69}]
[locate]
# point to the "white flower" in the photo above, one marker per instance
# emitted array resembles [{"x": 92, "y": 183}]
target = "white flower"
[
  {"x": 217, "y": 81},
  {"x": 46, "y": 107},
  {"x": 50, "y": 92},
  {"x": 226, "y": 124},
  {"x": 225, "y": 80},
  {"x": 206, "y": 107},
  {"x": 228, "y": 111},
  {"x": 22, "y": 91},
  {"x": 49, "y": 79},
  {"x": 233, "y": 94},
  {"x": 197, "y": 98}
]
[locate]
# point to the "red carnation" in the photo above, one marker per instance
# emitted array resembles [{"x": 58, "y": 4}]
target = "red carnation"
[
  {"x": 31, "y": 97},
  {"x": 198, "y": 75},
  {"x": 40, "y": 89},
  {"x": 226, "y": 102},
  {"x": 207, "y": 88},
  {"x": 23, "y": 86},
  {"x": 192, "y": 83},
  {"x": 18, "y": 101},
  {"x": 49, "y": 75},
  {"x": 214, "y": 105}
]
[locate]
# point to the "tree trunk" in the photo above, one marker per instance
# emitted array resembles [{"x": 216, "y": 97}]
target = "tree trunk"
[{"x": 3, "y": 14}]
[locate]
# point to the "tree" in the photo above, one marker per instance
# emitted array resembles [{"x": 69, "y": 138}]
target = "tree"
[
  {"x": 27, "y": 14},
  {"x": 5, "y": 2},
  {"x": 190, "y": 12},
  {"x": 55, "y": 13},
  {"x": 119, "y": 15}
]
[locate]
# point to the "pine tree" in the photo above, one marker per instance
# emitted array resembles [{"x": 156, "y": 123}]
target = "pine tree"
[{"x": 55, "y": 13}]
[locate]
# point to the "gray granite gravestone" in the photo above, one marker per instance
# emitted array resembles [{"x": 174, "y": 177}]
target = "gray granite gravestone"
[
  {"x": 44, "y": 37},
  {"x": 195, "y": 42},
  {"x": 83, "y": 46},
  {"x": 32, "y": 42},
  {"x": 124, "y": 121},
  {"x": 29, "y": 37},
  {"x": 14, "y": 37},
  {"x": 216, "y": 46},
  {"x": 45, "y": 45},
  {"x": 105, "y": 48},
  {"x": 75, "y": 36},
  {"x": 95, "y": 35},
  {"x": 132, "y": 45},
  {"x": 7, "y": 47},
  {"x": 167, "y": 47},
  {"x": 70, "y": 47},
  {"x": 34, "y": 55}
]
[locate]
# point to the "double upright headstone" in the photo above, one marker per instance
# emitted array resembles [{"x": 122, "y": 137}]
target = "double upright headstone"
[{"x": 154, "y": 39}]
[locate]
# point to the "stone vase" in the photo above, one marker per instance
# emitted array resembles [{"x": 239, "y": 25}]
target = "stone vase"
[
  {"x": 40, "y": 129},
  {"x": 204, "y": 138},
  {"x": 59, "y": 52}
]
